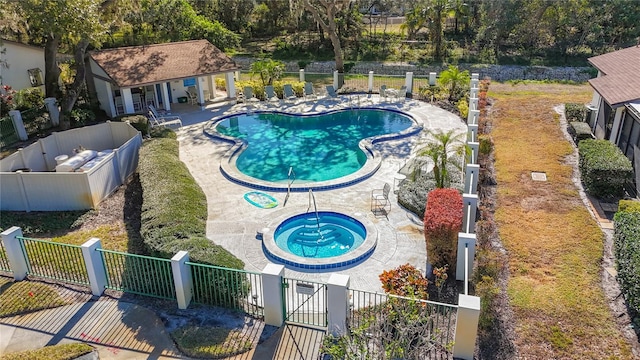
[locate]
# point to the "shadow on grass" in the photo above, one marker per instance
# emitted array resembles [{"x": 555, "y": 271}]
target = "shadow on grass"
[
  {"x": 49, "y": 223},
  {"x": 132, "y": 211}
]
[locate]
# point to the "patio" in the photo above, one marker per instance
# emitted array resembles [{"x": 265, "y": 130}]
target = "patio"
[{"x": 233, "y": 222}]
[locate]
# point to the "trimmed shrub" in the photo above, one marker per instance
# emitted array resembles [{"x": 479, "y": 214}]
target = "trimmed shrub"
[
  {"x": 139, "y": 122},
  {"x": 629, "y": 206},
  {"x": 442, "y": 223},
  {"x": 603, "y": 167},
  {"x": 278, "y": 88},
  {"x": 575, "y": 112},
  {"x": 174, "y": 208},
  {"x": 579, "y": 131},
  {"x": 162, "y": 132},
  {"x": 627, "y": 251}
]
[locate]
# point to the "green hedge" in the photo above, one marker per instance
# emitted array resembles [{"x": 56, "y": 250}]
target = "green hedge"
[
  {"x": 603, "y": 167},
  {"x": 579, "y": 131},
  {"x": 629, "y": 205},
  {"x": 139, "y": 122},
  {"x": 174, "y": 208},
  {"x": 278, "y": 88},
  {"x": 627, "y": 251},
  {"x": 575, "y": 112}
]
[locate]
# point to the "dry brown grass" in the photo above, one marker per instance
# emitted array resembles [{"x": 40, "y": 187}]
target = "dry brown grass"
[{"x": 554, "y": 245}]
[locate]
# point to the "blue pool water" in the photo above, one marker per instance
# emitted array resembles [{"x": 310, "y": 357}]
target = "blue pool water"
[
  {"x": 331, "y": 234},
  {"x": 319, "y": 147}
]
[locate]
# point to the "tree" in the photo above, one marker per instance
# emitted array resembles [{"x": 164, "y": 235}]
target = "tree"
[
  {"x": 454, "y": 81},
  {"x": 268, "y": 69},
  {"x": 74, "y": 25},
  {"x": 436, "y": 11},
  {"x": 325, "y": 12},
  {"x": 442, "y": 150}
]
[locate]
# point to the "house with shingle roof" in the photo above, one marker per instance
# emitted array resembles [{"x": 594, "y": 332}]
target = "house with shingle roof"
[
  {"x": 615, "y": 107},
  {"x": 127, "y": 79}
]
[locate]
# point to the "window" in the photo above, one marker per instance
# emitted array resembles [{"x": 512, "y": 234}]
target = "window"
[{"x": 35, "y": 77}]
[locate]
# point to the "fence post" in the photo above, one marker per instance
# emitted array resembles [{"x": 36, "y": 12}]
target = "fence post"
[
  {"x": 370, "y": 81},
  {"x": 17, "y": 262},
  {"x": 471, "y": 178},
  {"x": 408, "y": 83},
  {"x": 470, "y": 208},
  {"x": 335, "y": 79},
  {"x": 432, "y": 78},
  {"x": 466, "y": 327},
  {"x": 301, "y": 75},
  {"x": 95, "y": 265},
  {"x": 473, "y": 103},
  {"x": 473, "y": 157},
  {"x": 18, "y": 124},
  {"x": 272, "y": 292},
  {"x": 472, "y": 132},
  {"x": 473, "y": 116},
  {"x": 475, "y": 76},
  {"x": 182, "y": 278},
  {"x": 52, "y": 108},
  {"x": 473, "y": 92},
  {"x": 338, "y": 303},
  {"x": 465, "y": 240}
]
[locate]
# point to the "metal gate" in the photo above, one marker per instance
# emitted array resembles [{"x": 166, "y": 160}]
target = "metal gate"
[{"x": 305, "y": 302}]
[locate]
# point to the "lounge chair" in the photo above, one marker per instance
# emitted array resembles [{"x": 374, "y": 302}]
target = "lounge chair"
[
  {"x": 192, "y": 95},
  {"x": 402, "y": 93},
  {"x": 308, "y": 91},
  {"x": 248, "y": 94},
  {"x": 137, "y": 102},
  {"x": 163, "y": 121},
  {"x": 164, "y": 117},
  {"x": 271, "y": 94},
  {"x": 331, "y": 92},
  {"x": 288, "y": 93},
  {"x": 119, "y": 105}
]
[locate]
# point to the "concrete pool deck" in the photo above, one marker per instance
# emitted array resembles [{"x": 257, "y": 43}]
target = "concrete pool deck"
[{"x": 233, "y": 222}]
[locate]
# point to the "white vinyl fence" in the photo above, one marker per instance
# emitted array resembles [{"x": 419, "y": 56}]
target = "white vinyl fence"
[{"x": 30, "y": 182}]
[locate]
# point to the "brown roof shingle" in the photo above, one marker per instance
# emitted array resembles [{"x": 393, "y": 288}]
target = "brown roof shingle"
[
  {"x": 619, "y": 81},
  {"x": 148, "y": 64}
]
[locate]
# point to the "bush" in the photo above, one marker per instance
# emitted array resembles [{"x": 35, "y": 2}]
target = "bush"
[
  {"x": 29, "y": 98},
  {"x": 174, "y": 208},
  {"x": 405, "y": 280},
  {"x": 139, "y": 122},
  {"x": 463, "y": 108},
  {"x": 278, "y": 87},
  {"x": 629, "y": 206},
  {"x": 604, "y": 168},
  {"x": 575, "y": 112},
  {"x": 221, "y": 83},
  {"x": 162, "y": 132},
  {"x": 579, "y": 131},
  {"x": 627, "y": 251},
  {"x": 442, "y": 223},
  {"x": 80, "y": 117}
]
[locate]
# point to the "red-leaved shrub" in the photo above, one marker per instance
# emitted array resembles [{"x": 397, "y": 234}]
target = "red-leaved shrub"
[
  {"x": 405, "y": 280},
  {"x": 442, "y": 223}
]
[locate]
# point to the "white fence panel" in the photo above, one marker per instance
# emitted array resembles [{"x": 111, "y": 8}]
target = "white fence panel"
[
  {"x": 61, "y": 191},
  {"x": 33, "y": 158},
  {"x": 50, "y": 151},
  {"x": 11, "y": 195},
  {"x": 128, "y": 156},
  {"x": 97, "y": 137},
  {"x": 11, "y": 162},
  {"x": 121, "y": 133},
  {"x": 104, "y": 179}
]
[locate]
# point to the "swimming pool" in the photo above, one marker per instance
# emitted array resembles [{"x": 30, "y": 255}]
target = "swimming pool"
[{"x": 317, "y": 147}]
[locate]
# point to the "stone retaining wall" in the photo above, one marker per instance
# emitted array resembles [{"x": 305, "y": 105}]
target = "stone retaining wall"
[{"x": 495, "y": 72}]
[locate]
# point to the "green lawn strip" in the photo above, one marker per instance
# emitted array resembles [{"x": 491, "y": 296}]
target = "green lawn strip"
[
  {"x": 43, "y": 223},
  {"x": 54, "y": 352},
  {"x": 26, "y": 296},
  {"x": 210, "y": 342},
  {"x": 555, "y": 247}
]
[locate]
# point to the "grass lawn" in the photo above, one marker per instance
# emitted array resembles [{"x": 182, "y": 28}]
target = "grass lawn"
[
  {"x": 554, "y": 246},
  {"x": 210, "y": 342},
  {"x": 26, "y": 296},
  {"x": 55, "y": 352}
]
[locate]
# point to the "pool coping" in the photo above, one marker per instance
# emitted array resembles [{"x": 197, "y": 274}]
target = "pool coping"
[
  {"x": 359, "y": 254},
  {"x": 374, "y": 159}
]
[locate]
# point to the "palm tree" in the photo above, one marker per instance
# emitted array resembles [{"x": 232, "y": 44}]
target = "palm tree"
[
  {"x": 454, "y": 81},
  {"x": 444, "y": 147}
]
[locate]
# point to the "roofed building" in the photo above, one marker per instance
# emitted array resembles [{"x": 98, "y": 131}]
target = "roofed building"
[
  {"x": 615, "y": 107},
  {"x": 128, "y": 79}
]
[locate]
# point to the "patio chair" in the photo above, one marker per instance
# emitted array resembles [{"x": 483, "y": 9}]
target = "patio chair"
[
  {"x": 248, "y": 95},
  {"x": 380, "y": 204},
  {"x": 383, "y": 92},
  {"x": 137, "y": 102},
  {"x": 289, "y": 94},
  {"x": 192, "y": 95},
  {"x": 271, "y": 94},
  {"x": 149, "y": 98},
  {"x": 119, "y": 105},
  {"x": 308, "y": 91},
  {"x": 164, "y": 121},
  {"x": 402, "y": 93}
]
